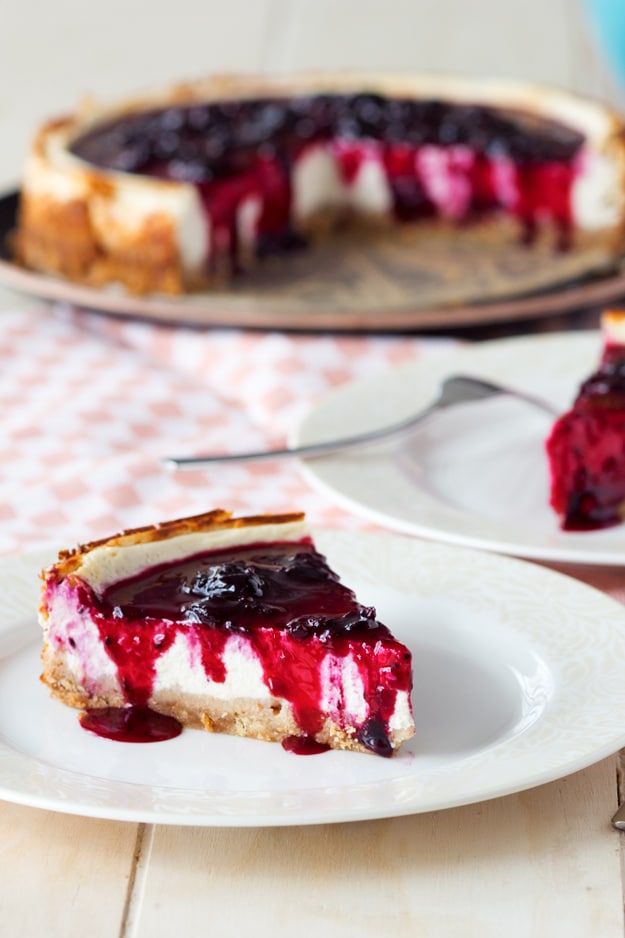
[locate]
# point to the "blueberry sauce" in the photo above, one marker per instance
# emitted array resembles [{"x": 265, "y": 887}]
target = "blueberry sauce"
[
  {"x": 586, "y": 450},
  {"x": 233, "y": 150},
  {"x": 288, "y": 605}
]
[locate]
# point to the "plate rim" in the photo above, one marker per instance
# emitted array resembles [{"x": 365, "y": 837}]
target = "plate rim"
[
  {"x": 184, "y": 311},
  {"x": 613, "y": 612}
]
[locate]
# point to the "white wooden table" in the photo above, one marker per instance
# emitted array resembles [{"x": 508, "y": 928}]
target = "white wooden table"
[
  {"x": 542, "y": 863},
  {"x": 545, "y": 862}
]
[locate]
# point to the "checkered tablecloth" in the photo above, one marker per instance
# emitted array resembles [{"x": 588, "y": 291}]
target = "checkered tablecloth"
[{"x": 90, "y": 404}]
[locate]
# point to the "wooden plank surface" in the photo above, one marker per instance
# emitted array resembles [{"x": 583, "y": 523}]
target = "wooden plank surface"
[
  {"x": 63, "y": 876},
  {"x": 544, "y": 862}
]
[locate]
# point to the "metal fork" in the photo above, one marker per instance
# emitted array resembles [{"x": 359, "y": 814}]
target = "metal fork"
[{"x": 458, "y": 389}]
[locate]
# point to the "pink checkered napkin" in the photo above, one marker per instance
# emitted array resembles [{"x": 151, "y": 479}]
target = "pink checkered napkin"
[{"x": 90, "y": 404}]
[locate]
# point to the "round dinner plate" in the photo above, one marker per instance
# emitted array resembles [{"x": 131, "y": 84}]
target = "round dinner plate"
[
  {"x": 476, "y": 474},
  {"x": 517, "y": 681}
]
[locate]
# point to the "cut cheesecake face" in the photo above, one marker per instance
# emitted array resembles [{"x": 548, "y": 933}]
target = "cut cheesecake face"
[
  {"x": 236, "y": 625},
  {"x": 183, "y": 189},
  {"x": 586, "y": 447}
]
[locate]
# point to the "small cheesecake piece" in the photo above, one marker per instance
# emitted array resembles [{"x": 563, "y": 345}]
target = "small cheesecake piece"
[
  {"x": 182, "y": 189},
  {"x": 586, "y": 447},
  {"x": 236, "y": 625}
]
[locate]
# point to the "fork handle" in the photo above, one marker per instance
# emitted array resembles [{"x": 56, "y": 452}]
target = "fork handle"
[{"x": 306, "y": 451}]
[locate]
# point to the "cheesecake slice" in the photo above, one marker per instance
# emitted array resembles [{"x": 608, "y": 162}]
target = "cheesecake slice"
[
  {"x": 236, "y": 625},
  {"x": 586, "y": 447},
  {"x": 183, "y": 189}
]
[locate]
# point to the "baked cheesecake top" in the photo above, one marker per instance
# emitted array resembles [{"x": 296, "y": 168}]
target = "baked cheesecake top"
[
  {"x": 279, "y": 585},
  {"x": 201, "y": 141},
  {"x": 232, "y": 150}
]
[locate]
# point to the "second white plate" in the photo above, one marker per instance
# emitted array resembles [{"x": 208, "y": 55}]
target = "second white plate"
[{"x": 475, "y": 475}]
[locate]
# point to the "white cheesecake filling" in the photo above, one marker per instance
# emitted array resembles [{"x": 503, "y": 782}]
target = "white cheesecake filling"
[
  {"x": 342, "y": 688},
  {"x": 318, "y": 182},
  {"x": 76, "y": 637},
  {"x": 401, "y": 718},
  {"x": 180, "y": 669},
  {"x": 120, "y": 210},
  {"x": 596, "y": 197},
  {"x": 369, "y": 192},
  {"x": 121, "y": 217}
]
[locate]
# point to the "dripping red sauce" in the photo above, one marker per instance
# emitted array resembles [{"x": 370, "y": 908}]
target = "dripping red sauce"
[
  {"x": 304, "y": 745},
  {"x": 586, "y": 450},
  {"x": 283, "y": 600},
  {"x": 130, "y": 724}
]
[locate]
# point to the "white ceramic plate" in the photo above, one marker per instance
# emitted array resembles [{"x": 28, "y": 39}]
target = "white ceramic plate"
[
  {"x": 518, "y": 680},
  {"x": 475, "y": 475}
]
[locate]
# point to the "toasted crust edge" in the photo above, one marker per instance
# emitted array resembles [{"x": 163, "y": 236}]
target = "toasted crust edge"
[{"x": 70, "y": 559}]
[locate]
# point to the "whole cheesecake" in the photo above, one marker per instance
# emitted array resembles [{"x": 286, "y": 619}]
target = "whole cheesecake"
[
  {"x": 586, "y": 447},
  {"x": 182, "y": 189},
  {"x": 236, "y": 625}
]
